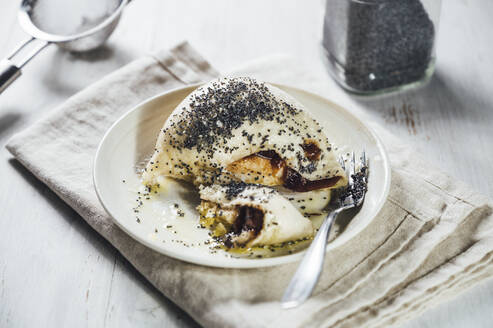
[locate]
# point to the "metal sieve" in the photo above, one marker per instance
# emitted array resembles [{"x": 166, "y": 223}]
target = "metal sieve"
[{"x": 75, "y": 25}]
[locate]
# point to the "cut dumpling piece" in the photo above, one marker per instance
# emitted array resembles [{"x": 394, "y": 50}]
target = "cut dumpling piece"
[
  {"x": 238, "y": 129},
  {"x": 244, "y": 215},
  {"x": 309, "y": 203}
]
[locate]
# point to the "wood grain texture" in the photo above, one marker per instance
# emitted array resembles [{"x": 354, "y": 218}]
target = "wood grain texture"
[{"x": 56, "y": 271}]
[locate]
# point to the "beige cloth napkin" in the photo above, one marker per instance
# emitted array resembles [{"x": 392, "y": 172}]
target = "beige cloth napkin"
[{"x": 431, "y": 240}]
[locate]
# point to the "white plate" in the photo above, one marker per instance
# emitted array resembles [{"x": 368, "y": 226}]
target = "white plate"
[{"x": 131, "y": 140}]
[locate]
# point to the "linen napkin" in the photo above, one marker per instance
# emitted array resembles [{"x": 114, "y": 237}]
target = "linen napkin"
[{"x": 431, "y": 240}]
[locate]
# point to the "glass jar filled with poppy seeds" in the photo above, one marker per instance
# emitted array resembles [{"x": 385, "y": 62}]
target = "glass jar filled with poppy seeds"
[{"x": 378, "y": 46}]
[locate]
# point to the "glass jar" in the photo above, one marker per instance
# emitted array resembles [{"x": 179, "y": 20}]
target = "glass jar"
[{"x": 376, "y": 46}]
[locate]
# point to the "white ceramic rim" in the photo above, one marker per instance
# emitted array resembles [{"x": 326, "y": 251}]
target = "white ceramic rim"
[{"x": 241, "y": 263}]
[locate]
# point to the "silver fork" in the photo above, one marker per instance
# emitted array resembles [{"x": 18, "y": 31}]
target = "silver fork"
[{"x": 306, "y": 277}]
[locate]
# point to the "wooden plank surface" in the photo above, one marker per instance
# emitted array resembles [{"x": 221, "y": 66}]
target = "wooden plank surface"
[{"x": 56, "y": 271}]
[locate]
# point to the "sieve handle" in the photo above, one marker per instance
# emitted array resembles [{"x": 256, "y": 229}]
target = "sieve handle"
[{"x": 9, "y": 71}]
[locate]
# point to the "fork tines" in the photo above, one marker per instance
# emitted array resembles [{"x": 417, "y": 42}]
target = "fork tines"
[
  {"x": 352, "y": 168},
  {"x": 357, "y": 174}
]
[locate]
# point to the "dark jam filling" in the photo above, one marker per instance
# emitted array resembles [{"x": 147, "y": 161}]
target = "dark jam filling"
[
  {"x": 249, "y": 219},
  {"x": 312, "y": 151},
  {"x": 275, "y": 160},
  {"x": 292, "y": 179}
]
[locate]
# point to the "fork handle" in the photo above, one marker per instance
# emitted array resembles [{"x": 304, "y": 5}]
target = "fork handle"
[{"x": 306, "y": 277}]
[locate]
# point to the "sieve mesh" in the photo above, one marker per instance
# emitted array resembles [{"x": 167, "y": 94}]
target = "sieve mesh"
[{"x": 65, "y": 18}]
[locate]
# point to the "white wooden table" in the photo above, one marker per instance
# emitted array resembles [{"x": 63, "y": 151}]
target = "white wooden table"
[{"x": 56, "y": 271}]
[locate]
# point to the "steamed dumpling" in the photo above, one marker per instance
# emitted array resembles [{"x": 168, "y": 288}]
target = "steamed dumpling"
[
  {"x": 244, "y": 215},
  {"x": 238, "y": 129}
]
